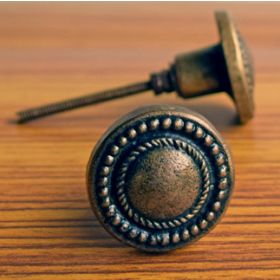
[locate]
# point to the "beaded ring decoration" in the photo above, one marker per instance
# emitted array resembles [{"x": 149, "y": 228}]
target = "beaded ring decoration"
[{"x": 160, "y": 178}]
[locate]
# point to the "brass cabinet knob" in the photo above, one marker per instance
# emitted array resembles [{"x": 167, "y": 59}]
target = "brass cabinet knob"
[
  {"x": 226, "y": 66},
  {"x": 160, "y": 178},
  {"x": 231, "y": 57}
]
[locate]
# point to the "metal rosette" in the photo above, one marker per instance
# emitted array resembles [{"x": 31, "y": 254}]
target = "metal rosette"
[{"x": 160, "y": 178}]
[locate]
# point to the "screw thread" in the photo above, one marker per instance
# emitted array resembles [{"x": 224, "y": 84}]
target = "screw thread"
[{"x": 54, "y": 108}]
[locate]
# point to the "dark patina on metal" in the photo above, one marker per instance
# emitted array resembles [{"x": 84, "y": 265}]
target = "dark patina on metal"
[
  {"x": 160, "y": 178},
  {"x": 224, "y": 67}
]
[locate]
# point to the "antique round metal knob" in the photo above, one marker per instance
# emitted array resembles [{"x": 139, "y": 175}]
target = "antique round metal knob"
[
  {"x": 160, "y": 178},
  {"x": 224, "y": 67}
]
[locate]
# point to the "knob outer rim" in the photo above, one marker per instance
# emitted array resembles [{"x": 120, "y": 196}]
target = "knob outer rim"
[{"x": 232, "y": 48}]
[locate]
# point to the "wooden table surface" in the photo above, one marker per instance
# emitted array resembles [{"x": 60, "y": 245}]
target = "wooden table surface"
[{"x": 49, "y": 52}]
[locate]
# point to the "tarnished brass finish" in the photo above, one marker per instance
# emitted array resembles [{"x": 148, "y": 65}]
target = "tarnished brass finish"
[
  {"x": 225, "y": 66},
  {"x": 160, "y": 178},
  {"x": 149, "y": 194}
]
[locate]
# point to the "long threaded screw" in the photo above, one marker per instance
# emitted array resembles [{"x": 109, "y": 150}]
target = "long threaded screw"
[
  {"x": 67, "y": 105},
  {"x": 160, "y": 82}
]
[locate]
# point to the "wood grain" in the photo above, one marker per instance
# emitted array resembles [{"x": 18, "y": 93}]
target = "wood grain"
[{"x": 52, "y": 51}]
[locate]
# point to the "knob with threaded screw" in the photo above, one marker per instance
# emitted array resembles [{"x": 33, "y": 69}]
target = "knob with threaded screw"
[{"x": 224, "y": 67}]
